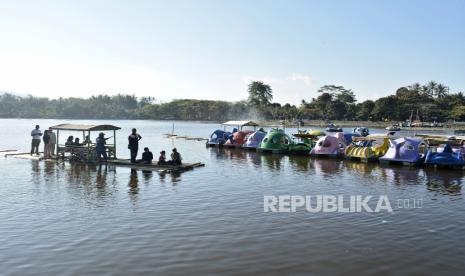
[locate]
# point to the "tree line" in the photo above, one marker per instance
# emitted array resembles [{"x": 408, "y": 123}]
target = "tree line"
[{"x": 432, "y": 101}]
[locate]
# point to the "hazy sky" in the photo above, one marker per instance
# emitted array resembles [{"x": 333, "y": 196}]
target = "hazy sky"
[{"x": 212, "y": 49}]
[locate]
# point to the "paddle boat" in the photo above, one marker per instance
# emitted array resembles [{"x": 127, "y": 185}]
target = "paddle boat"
[
  {"x": 316, "y": 133},
  {"x": 363, "y": 131},
  {"x": 299, "y": 148},
  {"x": 367, "y": 149},
  {"x": 218, "y": 138},
  {"x": 254, "y": 139},
  {"x": 445, "y": 157},
  {"x": 277, "y": 141},
  {"x": 309, "y": 137},
  {"x": 333, "y": 128},
  {"x": 331, "y": 146},
  {"x": 406, "y": 151},
  {"x": 348, "y": 137},
  {"x": 393, "y": 128},
  {"x": 237, "y": 139}
]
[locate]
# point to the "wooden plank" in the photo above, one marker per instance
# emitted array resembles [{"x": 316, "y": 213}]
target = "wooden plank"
[
  {"x": 26, "y": 156},
  {"x": 20, "y": 153}
]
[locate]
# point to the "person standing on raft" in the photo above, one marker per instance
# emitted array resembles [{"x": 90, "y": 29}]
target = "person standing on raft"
[
  {"x": 36, "y": 135},
  {"x": 46, "y": 139},
  {"x": 53, "y": 141},
  {"x": 100, "y": 147},
  {"x": 133, "y": 145}
]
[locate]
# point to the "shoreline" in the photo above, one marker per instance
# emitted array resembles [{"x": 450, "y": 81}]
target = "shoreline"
[{"x": 276, "y": 123}]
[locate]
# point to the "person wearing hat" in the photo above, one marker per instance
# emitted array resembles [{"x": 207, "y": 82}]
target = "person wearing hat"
[
  {"x": 147, "y": 156},
  {"x": 176, "y": 157},
  {"x": 100, "y": 147},
  {"x": 162, "y": 158}
]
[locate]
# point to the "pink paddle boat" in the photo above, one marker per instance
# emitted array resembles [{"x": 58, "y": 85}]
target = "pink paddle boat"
[{"x": 331, "y": 146}]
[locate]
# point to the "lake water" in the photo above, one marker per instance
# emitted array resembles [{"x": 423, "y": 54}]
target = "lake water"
[{"x": 64, "y": 219}]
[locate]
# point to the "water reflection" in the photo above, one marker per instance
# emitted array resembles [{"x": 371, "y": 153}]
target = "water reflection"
[
  {"x": 101, "y": 178},
  {"x": 148, "y": 175},
  {"x": 49, "y": 168},
  {"x": 300, "y": 162},
  {"x": 133, "y": 182},
  {"x": 174, "y": 176},
  {"x": 272, "y": 161},
  {"x": 444, "y": 181},
  {"x": 400, "y": 175},
  {"x": 326, "y": 167},
  {"x": 362, "y": 168}
]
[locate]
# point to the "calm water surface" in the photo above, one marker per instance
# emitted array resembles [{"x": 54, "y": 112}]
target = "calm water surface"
[{"x": 63, "y": 219}]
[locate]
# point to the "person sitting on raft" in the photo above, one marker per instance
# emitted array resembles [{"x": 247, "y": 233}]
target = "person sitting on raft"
[
  {"x": 162, "y": 158},
  {"x": 78, "y": 143},
  {"x": 176, "y": 157},
  {"x": 87, "y": 141},
  {"x": 147, "y": 156},
  {"x": 69, "y": 141}
]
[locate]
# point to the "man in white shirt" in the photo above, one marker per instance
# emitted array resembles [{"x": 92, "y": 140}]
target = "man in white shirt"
[
  {"x": 36, "y": 135},
  {"x": 53, "y": 141}
]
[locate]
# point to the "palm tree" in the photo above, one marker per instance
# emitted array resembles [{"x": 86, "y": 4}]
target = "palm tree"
[
  {"x": 441, "y": 90},
  {"x": 431, "y": 88},
  {"x": 415, "y": 87},
  {"x": 260, "y": 94}
]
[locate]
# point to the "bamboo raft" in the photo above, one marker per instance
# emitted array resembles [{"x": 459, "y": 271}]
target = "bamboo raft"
[
  {"x": 23, "y": 155},
  {"x": 155, "y": 167},
  {"x": 175, "y": 136},
  {"x": 115, "y": 162}
]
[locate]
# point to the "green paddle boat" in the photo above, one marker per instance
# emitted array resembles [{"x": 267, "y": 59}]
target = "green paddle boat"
[{"x": 277, "y": 141}]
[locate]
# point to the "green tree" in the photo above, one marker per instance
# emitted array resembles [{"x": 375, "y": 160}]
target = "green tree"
[
  {"x": 458, "y": 113},
  {"x": 339, "y": 92},
  {"x": 260, "y": 94}
]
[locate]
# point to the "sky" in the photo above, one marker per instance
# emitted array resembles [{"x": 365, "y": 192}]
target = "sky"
[{"x": 212, "y": 49}]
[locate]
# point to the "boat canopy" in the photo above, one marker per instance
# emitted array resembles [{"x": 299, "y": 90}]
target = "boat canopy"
[
  {"x": 79, "y": 127},
  {"x": 241, "y": 123},
  {"x": 87, "y": 148}
]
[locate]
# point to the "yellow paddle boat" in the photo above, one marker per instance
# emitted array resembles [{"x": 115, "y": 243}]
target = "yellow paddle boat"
[{"x": 367, "y": 148}]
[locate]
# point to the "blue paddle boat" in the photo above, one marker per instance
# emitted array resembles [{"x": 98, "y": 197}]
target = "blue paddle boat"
[
  {"x": 407, "y": 151},
  {"x": 218, "y": 138},
  {"x": 447, "y": 157},
  {"x": 363, "y": 131}
]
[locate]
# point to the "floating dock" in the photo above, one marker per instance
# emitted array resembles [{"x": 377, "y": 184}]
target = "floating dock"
[
  {"x": 155, "y": 167},
  {"x": 23, "y": 155},
  {"x": 116, "y": 162},
  {"x": 175, "y": 136}
]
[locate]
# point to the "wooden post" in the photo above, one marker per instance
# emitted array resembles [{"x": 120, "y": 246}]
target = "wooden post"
[
  {"x": 89, "y": 151},
  {"x": 114, "y": 143},
  {"x": 58, "y": 143}
]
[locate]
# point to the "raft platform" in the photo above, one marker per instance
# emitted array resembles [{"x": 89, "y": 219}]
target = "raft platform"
[
  {"x": 155, "y": 167},
  {"x": 24, "y": 155},
  {"x": 116, "y": 162},
  {"x": 175, "y": 136}
]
